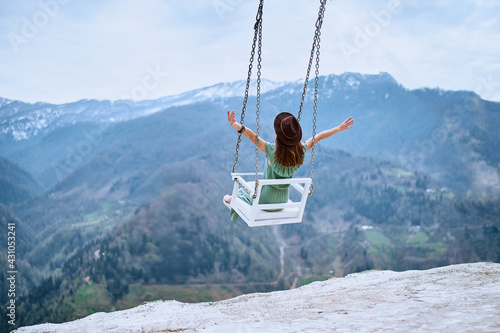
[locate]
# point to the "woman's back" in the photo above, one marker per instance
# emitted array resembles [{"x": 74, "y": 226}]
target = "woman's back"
[{"x": 275, "y": 170}]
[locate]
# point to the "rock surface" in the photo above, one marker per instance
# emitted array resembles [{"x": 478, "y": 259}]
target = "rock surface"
[{"x": 457, "y": 298}]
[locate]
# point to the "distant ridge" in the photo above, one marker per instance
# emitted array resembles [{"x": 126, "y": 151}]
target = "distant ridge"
[
  {"x": 20, "y": 121},
  {"x": 424, "y": 129}
]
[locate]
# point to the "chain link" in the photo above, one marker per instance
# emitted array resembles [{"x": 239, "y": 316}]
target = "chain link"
[
  {"x": 244, "y": 188},
  {"x": 315, "y": 113},
  {"x": 247, "y": 87},
  {"x": 315, "y": 51},
  {"x": 257, "y": 120},
  {"x": 319, "y": 23},
  {"x": 306, "y": 80}
]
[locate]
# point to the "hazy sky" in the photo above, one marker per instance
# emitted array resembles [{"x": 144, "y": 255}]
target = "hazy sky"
[{"x": 61, "y": 50}]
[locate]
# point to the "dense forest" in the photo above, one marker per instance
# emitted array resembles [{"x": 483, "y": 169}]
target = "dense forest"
[{"x": 370, "y": 215}]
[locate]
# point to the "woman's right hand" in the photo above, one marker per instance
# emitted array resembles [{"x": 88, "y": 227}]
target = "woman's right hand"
[{"x": 230, "y": 117}]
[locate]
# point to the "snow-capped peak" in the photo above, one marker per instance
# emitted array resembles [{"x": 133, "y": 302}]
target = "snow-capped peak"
[
  {"x": 4, "y": 101},
  {"x": 231, "y": 89},
  {"x": 20, "y": 121}
]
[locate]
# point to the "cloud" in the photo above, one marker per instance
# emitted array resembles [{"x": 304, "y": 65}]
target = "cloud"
[{"x": 105, "y": 49}]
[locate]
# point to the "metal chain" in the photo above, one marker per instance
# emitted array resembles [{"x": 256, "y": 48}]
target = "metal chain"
[
  {"x": 315, "y": 112},
  {"x": 319, "y": 23},
  {"x": 316, "y": 45},
  {"x": 247, "y": 87},
  {"x": 259, "y": 68},
  {"x": 243, "y": 187},
  {"x": 315, "y": 50},
  {"x": 307, "y": 79}
]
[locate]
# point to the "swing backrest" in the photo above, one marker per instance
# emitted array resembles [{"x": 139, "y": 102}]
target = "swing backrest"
[{"x": 257, "y": 214}]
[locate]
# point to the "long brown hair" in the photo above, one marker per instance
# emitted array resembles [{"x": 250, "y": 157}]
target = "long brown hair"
[{"x": 289, "y": 156}]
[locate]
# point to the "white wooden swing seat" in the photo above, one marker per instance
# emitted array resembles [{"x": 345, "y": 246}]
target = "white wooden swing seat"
[{"x": 257, "y": 215}]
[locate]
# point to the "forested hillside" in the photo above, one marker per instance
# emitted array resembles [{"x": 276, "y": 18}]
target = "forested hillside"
[
  {"x": 17, "y": 185},
  {"x": 366, "y": 214}
]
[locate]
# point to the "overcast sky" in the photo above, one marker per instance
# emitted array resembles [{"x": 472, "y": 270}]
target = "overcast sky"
[{"x": 61, "y": 50}]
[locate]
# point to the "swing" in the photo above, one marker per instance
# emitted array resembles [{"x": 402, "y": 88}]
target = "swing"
[{"x": 292, "y": 211}]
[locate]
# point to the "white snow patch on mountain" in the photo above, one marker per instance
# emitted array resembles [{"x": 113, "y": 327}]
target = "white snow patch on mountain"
[
  {"x": 235, "y": 89},
  {"x": 352, "y": 82},
  {"x": 18, "y": 135},
  {"x": 458, "y": 298}
]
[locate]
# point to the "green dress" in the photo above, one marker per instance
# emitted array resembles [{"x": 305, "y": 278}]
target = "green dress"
[{"x": 271, "y": 193}]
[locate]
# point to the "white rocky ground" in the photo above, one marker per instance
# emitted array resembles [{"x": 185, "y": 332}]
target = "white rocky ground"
[{"x": 459, "y": 298}]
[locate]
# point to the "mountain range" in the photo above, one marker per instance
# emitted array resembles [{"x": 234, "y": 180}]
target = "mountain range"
[
  {"x": 449, "y": 135},
  {"x": 120, "y": 202}
]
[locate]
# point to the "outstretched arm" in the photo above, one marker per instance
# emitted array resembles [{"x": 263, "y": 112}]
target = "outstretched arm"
[
  {"x": 328, "y": 133},
  {"x": 248, "y": 132}
]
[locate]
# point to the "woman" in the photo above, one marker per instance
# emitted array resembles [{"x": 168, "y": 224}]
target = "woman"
[{"x": 284, "y": 157}]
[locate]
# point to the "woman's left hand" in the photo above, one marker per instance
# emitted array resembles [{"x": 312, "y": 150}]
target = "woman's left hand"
[{"x": 346, "y": 124}]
